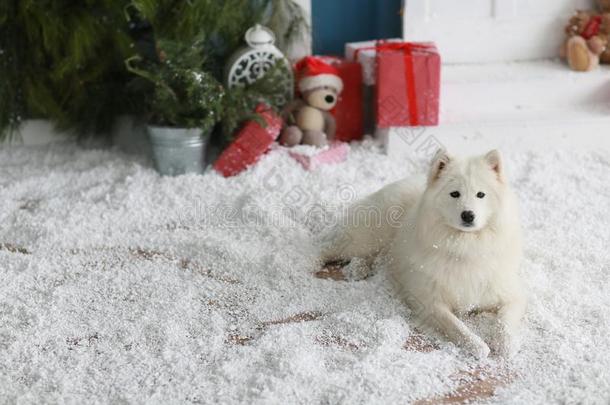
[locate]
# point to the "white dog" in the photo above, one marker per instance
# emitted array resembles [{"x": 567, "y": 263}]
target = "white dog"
[{"x": 452, "y": 247}]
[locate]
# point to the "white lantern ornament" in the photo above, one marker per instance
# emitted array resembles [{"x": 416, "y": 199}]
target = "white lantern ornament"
[{"x": 251, "y": 62}]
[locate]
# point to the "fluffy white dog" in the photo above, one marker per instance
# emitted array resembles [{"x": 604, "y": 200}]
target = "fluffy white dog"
[{"x": 452, "y": 247}]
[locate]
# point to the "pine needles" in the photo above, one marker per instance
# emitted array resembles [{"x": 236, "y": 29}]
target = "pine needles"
[{"x": 65, "y": 60}]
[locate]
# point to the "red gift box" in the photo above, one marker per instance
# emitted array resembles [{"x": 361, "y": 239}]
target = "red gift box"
[
  {"x": 348, "y": 112},
  {"x": 252, "y": 141},
  {"x": 407, "y": 83}
]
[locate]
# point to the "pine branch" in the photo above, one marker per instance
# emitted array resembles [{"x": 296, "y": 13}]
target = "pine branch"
[{"x": 64, "y": 60}]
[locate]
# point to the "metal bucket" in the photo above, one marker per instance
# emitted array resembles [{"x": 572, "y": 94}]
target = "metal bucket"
[{"x": 178, "y": 150}]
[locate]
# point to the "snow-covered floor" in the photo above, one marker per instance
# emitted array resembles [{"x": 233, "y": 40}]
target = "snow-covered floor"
[{"x": 118, "y": 285}]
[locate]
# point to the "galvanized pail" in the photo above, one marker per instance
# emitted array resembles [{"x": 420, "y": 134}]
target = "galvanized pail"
[{"x": 178, "y": 150}]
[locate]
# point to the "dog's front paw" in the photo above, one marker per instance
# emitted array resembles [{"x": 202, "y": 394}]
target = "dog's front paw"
[
  {"x": 505, "y": 345},
  {"x": 477, "y": 347}
]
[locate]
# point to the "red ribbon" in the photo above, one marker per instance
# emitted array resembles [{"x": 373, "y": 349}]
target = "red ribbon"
[
  {"x": 407, "y": 48},
  {"x": 592, "y": 27}
]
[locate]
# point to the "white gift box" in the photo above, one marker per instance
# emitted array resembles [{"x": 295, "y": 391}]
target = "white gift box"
[{"x": 366, "y": 57}]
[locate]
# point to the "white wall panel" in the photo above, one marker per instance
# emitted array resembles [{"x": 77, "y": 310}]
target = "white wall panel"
[{"x": 490, "y": 30}]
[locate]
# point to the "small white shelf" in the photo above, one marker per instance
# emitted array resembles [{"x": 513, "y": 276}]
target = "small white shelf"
[{"x": 526, "y": 105}]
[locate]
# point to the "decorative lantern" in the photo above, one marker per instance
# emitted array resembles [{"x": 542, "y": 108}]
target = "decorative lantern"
[{"x": 251, "y": 62}]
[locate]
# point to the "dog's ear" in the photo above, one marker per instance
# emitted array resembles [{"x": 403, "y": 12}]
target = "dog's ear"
[
  {"x": 439, "y": 164},
  {"x": 494, "y": 161}
]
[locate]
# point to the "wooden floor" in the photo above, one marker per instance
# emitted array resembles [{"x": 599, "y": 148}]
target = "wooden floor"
[{"x": 471, "y": 385}]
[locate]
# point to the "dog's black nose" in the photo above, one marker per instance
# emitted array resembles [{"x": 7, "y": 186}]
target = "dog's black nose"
[
  {"x": 329, "y": 99},
  {"x": 468, "y": 217}
]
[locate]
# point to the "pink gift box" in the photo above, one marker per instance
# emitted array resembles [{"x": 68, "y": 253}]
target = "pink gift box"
[{"x": 335, "y": 153}]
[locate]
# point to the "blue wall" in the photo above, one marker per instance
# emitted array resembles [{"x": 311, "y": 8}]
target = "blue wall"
[{"x": 335, "y": 22}]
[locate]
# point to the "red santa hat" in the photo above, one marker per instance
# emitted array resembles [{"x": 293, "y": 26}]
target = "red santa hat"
[{"x": 314, "y": 72}]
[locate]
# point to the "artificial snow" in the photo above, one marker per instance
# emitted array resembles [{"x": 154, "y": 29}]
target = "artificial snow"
[
  {"x": 308, "y": 150},
  {"x": 119, "y": 285}
]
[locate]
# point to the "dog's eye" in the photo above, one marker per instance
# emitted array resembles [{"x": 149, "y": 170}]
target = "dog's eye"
[
  {"x": 455, "y": 194},
  {"x": 480, "y": 194}
]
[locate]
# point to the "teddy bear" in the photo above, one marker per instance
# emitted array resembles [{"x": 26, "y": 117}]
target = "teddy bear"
[
  {"x": 309, "y": 117},
  {"x": 604, "y": 29},
  {"x": 588, "y": 34}
]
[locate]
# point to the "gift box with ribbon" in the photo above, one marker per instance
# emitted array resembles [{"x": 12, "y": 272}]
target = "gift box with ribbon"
[
  {"x": 406, "y": 79},
  {"x": 252, "y": 141}
]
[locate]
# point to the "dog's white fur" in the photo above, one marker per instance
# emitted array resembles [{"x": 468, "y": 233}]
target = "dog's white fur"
[{"x": 442, "y": 267}]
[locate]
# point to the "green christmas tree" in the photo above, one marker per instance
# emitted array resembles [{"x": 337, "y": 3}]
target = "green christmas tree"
[
  {"x": 65, "y": 60},
  {"x": 177, "y": 91}
]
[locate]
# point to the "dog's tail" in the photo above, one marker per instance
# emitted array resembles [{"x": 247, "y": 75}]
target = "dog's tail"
[{"x": 369, "y": 225}]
